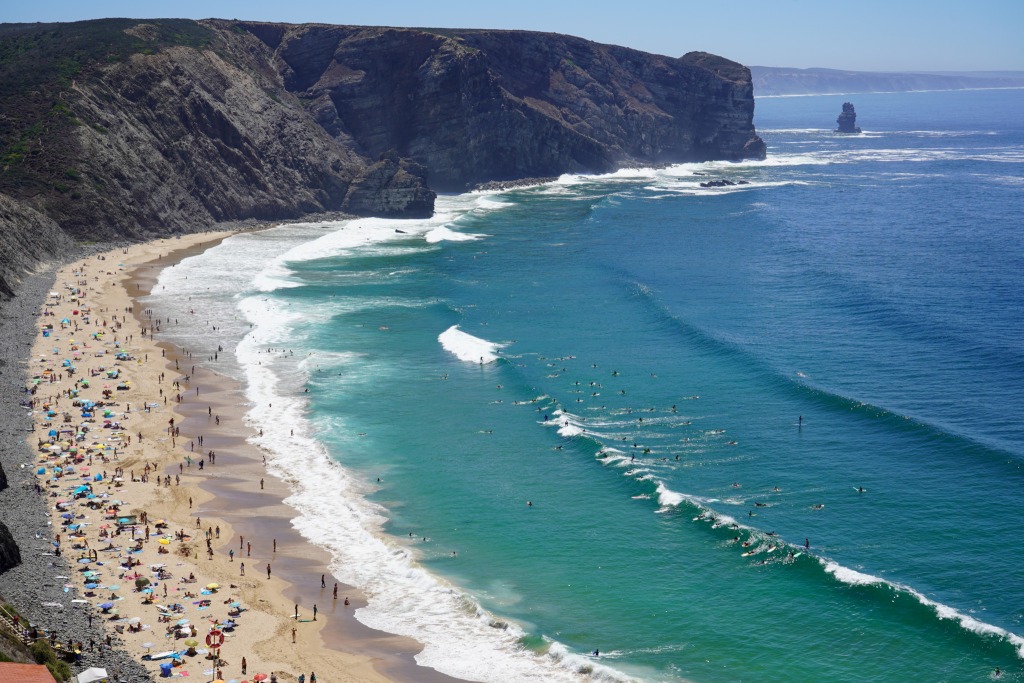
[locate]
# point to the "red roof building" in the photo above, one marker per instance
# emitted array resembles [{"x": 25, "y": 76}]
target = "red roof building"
[{"x": 24, "y": 673}]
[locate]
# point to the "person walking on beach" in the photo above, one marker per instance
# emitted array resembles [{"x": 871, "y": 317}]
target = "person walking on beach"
[
  {"x": 268, "y": 573},
  {"x": 242, "y": 567},
  {"x": 335, "y": 590},
  {"x": 323, "y": 582},
  {"x": 314, "y": 611},
  {"x": 296, "y": 611},
  {"x": 293, "y": 634}
]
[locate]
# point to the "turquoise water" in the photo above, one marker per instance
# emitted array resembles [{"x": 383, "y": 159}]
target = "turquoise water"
[{"x": 679, "y": 376}]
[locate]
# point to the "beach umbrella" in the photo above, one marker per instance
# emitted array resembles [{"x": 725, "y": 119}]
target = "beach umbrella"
[
  {"x": 134, "y": 620},
  {"x": 213, "y": 586},
  {"x": 191, "y": 642},
  {"x": 164, "y": 541},
  {"x": 148, "y": 646},
  {"x": 91, "y": 585},
  {"x": 259, "y": 677},
  {"x": 106, "y": 605},
  {"x": 92, "y": 675}
]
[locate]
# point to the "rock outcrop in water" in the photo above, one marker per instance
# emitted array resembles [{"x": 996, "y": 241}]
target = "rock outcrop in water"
[
  {"x": 847, "y": 119},
  {"x": 126, "y": 129}
]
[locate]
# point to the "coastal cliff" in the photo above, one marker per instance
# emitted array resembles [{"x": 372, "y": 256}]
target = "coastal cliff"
[{"x": 123, "y": 129}]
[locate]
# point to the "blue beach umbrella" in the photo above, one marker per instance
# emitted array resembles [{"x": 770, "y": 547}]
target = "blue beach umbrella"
[
  {"x": 84, "y": 560},
  {"x": 106, "y": 605},
  {"x": 91, "y": 585}
]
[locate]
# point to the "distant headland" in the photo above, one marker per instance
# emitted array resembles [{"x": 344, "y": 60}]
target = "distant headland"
[{"x": 771, "y": 81}]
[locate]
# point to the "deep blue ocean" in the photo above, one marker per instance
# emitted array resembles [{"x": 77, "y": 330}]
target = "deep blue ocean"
[{"x": 764, "y": 432}]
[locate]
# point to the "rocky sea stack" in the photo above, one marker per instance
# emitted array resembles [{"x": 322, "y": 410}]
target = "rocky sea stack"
[
  {"x": 847, "y": 120},
  {"x": 121, "y": 129}
]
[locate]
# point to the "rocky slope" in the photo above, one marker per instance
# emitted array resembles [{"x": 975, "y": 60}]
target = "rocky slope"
[{"x": 124, "y": 129}]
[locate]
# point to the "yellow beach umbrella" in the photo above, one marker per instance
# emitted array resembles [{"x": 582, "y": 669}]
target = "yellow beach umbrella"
[
  {"x": 213, "y": 586},
  {"x": 164, "y": 541}
]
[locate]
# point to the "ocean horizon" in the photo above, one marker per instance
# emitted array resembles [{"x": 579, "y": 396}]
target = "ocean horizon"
[{"x": 766, "y": 430}]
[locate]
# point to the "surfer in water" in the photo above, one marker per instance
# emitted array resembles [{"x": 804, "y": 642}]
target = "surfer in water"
[{"x": 597, "y": 653}]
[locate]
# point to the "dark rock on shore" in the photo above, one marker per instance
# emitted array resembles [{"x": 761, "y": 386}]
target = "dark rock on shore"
[
  {"x": 497, "y": 185},
  {"x": 392, "y": 187},
  {"x": 847, "y": 119},
  {"x": 10, "y": 556},
  {"x": 724, "y": 183}
]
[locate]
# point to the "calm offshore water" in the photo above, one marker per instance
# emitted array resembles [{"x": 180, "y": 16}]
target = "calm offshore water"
[{"x": 655, "y": 345}]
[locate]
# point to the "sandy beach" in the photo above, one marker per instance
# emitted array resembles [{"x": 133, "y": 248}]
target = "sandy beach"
[{"x": 177, "y": 535}]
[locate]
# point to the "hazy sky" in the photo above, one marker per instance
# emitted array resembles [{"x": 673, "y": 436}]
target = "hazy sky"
[{"x": 883, "y": 35}]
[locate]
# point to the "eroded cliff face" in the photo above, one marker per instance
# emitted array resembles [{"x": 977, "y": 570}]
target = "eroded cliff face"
[
  {"x": 475, "y": 106},
  {"x": 125, "y": 129}
]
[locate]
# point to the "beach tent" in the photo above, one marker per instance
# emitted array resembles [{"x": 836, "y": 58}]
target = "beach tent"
[{"x": 93, "y": 675}]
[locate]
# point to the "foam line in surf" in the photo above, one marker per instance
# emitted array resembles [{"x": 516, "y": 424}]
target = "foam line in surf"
[{"x": 854, "y": 578}]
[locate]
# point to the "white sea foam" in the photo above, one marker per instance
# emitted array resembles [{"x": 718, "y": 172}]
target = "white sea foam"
[
  {"x": 443, "y": 233},
  {"x": 667, "y": 497},
  {"x": 465, "y": 346}
]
